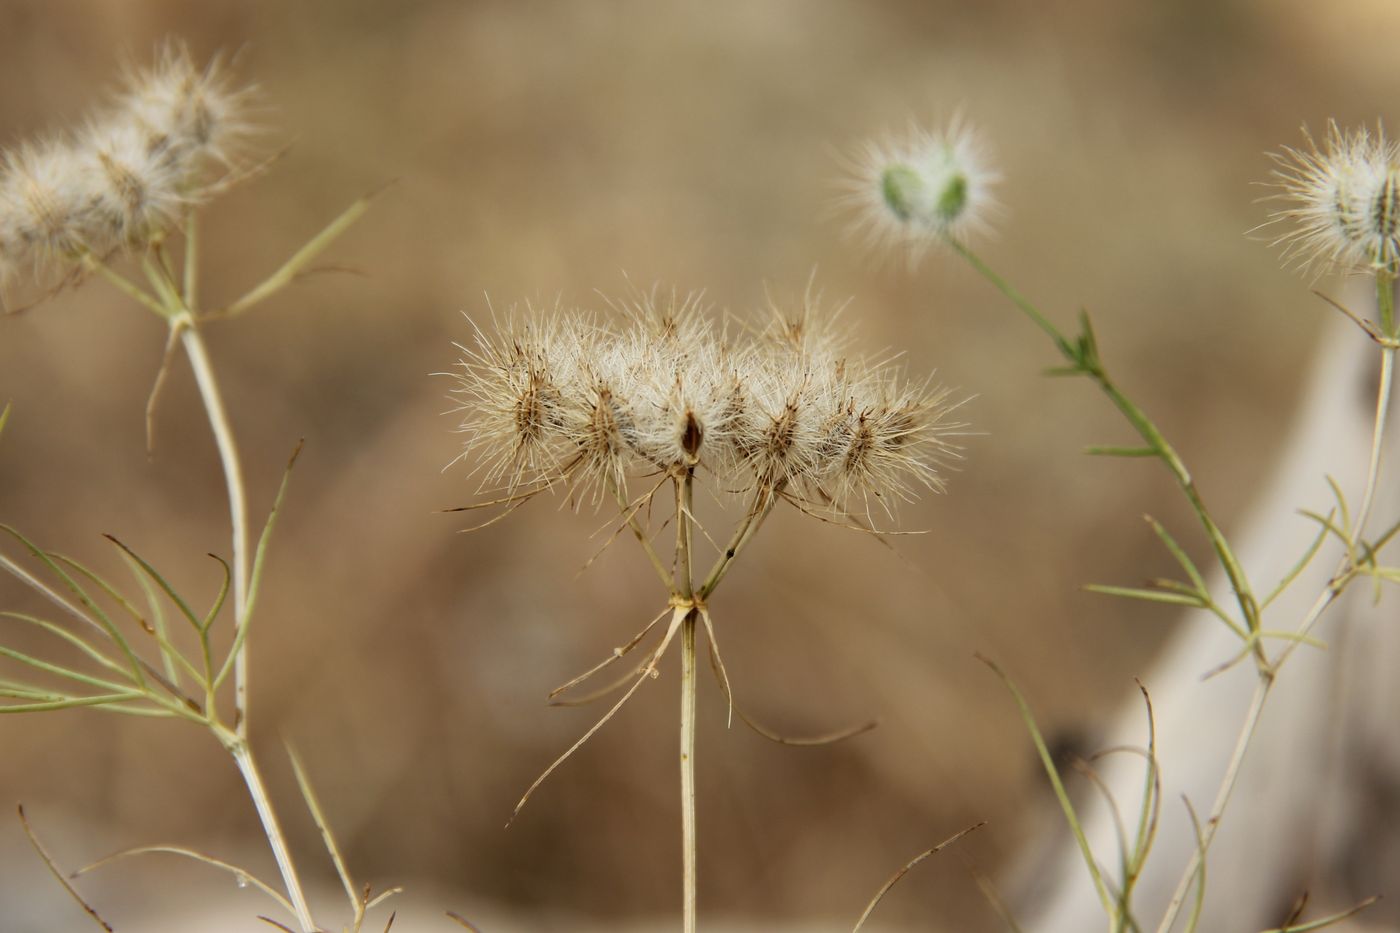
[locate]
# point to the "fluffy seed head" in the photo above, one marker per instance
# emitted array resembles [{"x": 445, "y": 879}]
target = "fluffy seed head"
[
  {"x": 126, "y": 179},
  {"x": 197, "y": 113},
  {"x": 563, "y": 398},
  {"x": 1341, "y": 200},
  {"x": 912, "y": 192}
]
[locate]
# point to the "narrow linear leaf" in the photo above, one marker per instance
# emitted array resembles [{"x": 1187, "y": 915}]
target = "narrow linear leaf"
[
  {"x": 168, "y": 652},
  {"x": 381, "y": 898},
  {"x": 259, "y": 563},
  {"x": 59, "y": 670},
  {"x": 1328, "y": 920},
  {"x": 302, "y": 258},
  {"x": 1152, "y": 596},
  {"x": 234, "y": 870},
  {"x": 72, "y": 703},
  {"x": 894, "y": 879},
  {"x": 1177, "y": 552},
  {"x": 73, "y": 639},
  {"x": 54, "y": 870},
  {"x": 103, "y": 585},
  {"x": 159, "y": 581},
  {"x": 1341, "y": 503},
  {"x": 223, "y": 595},
  {"x": 94, "y": 616},
  {"x": 1053, "y": 773},
  {"x": 1302, "y": 563},
  {"x": 313, "y": 805},
  {"x": 1108, "y": 451}
]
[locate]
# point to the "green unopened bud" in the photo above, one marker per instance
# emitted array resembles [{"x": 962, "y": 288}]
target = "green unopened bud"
[
  {"x": 925, "y": 189},
  {"x": 902, "y": 188},
  {"x": 952, "y": 200}
]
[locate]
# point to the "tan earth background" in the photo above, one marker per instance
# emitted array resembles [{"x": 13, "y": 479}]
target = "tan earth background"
[{"x": 542, "y": 151}]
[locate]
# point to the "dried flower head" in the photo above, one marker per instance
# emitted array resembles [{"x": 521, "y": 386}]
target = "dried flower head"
[
  {"x": 913, "y": 192},
  {"x": 659, "y": 390},
  {"x": 126, "y": 178},
  {"x": 1342, "y": 200}
]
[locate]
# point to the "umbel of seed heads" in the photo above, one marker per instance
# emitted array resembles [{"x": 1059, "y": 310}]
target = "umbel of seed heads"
[
  {"x": 128, "y": 176},
  {"x": 567, "y": 397},
  {"x": 1342, "y": 199}
]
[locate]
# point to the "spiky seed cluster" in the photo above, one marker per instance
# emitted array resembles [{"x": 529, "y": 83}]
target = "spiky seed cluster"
[
  {"x": 569, "y": 397},
  {"x": 125, "y": 178},
  {"x": 1342, "y": 200},
  {"x": 915, "y": 191}
]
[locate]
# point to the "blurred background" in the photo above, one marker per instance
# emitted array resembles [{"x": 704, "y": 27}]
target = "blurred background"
[{"x": 544, "y": 151}]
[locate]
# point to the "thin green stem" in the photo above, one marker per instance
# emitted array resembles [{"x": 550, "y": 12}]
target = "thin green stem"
[
  {"x": 1385, "y": 299},
  {"x": 1019, "y": 300},
  {"x": 1083, "y": 357}
]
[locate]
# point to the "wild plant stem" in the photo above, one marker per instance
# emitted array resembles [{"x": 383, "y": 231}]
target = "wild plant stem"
[
  {"x": 688, "y": 847},
  {"x": 1222, "y": 798},
  {"x": 1385, "y": 299},
  {"x": 1076, "y": 356},
  {"x": 759, "y": 509},
  {"x": 242, "y": 754},
  {"x": 238, "y": 510},
  {"x": 684, "y": 497}
]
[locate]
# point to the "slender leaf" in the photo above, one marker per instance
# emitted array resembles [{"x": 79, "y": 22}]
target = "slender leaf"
[
  {"x": 76, "y": 641},
  {"x": 259, "y": 562},
  {"x": 223, "y": 594},
  {"x": 1328, "y": 920},
  {"x": 97, "y": 617},
  {"x": 1109, "y": 451},
  {"x": 299, "y": 261},
  {"x": 1053, "y": 773},
  {"x": 59, "y": 876},
  {"x": 72, "y": 703},
  {"x": 1301, "y": 565},
  {"x": 103, "y": 585},
  {"x": 1177, "y": 552},
  {"x": 894, "y": 879},
  {"x": 1154, "y": 596},
  {"x": 59, "y": 670},
  {"x": 159, "y": 581},
  {"x": 168, "y": 652},
  {"x": 318, "y": 816},
  {"x": 232, "y": 869}
]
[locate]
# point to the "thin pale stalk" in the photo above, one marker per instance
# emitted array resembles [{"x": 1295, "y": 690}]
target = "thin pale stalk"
[
  {"x": 1373, "y": 471},
  {"x": 759, "y": 510},
  {"x": 684, "y": 495},
  {"x": 191, "y": 260},
  {"x": 629, "y": 512},
  {"x": 1222, "y": 799},
  {"x": 688, "y": 846},
  {"x": 1310, "y": 619},
  {"x": 238, "y": 509},
  {"x": 243, "y": 757}
]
